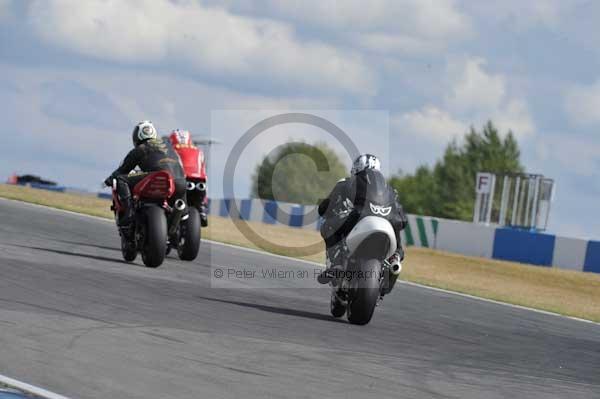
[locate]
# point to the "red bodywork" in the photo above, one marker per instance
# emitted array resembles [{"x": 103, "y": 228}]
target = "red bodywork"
[
  {"x": 194, "y": 167},
  {"x": 157, "y": 185},
  {"x": 193, "y": 161},
  {"x": 116, "y": 206}
]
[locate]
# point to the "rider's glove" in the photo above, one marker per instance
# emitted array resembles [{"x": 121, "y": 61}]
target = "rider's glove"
[{"x": 108, "y": 181}]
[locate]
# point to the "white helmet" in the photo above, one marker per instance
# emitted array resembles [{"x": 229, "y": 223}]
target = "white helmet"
[
  {"x": 143, "y": 131},
  {"x": 365, "y": 161}
]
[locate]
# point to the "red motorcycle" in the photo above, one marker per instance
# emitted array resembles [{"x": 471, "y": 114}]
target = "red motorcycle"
[
  {"x": 148, "y": 232},
  {"x": 194, "y": 167}
]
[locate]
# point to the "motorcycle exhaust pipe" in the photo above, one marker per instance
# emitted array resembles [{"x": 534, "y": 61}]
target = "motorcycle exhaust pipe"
[
  {"x": 190, "y": 186},
  {"x": 201, "y": 186},
  {"x": 396, "y": 268},
  {"x": 176, "y": 216},
  {"x": 180, "y": 205}
]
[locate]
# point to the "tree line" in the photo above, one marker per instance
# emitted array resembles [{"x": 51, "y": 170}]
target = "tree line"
[{"x": 445, "y": 189}]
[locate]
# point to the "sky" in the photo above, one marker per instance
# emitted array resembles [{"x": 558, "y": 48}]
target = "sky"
[{"x": 404, "y": 76}]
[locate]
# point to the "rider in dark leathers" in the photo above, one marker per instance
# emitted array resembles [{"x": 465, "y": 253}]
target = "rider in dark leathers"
[
  {"x": 349, "y": 201},
  {"x": 150, "y": 154}
]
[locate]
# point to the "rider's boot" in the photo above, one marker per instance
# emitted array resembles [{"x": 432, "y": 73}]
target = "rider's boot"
[
  {"x": 203, "y": 216},
  {"x": 126, "y": 217},
  {"x": 334, "y": 263}
]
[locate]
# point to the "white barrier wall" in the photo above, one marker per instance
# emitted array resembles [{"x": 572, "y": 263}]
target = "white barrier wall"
[
  {"x": 421, "y": 231},
  {"x": 449, "y": 235},
  {"x": 465, "y": 238},
  {"x": 569, "y": 253}
]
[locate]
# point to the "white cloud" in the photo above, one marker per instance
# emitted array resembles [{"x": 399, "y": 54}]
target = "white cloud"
[
  {"x": 5, "y": 9},
  {"x": 582, "y": 103},
  {"x": 384, "y": 43},
  {"x": 478, "y": 95},
  {"x": 514, "y": 116},
  {"x": 473, "y": 88},
  {"x": 474, "y": 97},
  {"x": 202, "y": 39},
  {"x": 383, "y": 26},
  {"x": 54, "y": 141},
  {"x": 521, "y": 15},
  {"x": 431, "y": 123},
  {"x": 418, "y": 17},
  {"x": 574, "y": 154}
]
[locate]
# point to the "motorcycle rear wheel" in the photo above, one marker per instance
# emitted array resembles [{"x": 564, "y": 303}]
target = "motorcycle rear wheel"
[
  {"x": 154, "y": 248},
  {"x": 365, "y": 296}
]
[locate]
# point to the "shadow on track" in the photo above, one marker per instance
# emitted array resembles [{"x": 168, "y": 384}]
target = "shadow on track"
[
  {"x": 85, "y": 244},
  {"x": 58, "y": 251},
  {"x": 273, "y": 309}
]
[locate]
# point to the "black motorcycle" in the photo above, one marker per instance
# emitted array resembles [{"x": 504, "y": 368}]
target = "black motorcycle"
[{"x": 366, "y": 274}]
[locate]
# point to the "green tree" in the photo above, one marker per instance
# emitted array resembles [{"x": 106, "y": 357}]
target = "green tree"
[
  {"x": 415, "y": 192},
  {"x": 448, "y": 189},
  {"x": 297, "y": 172}
]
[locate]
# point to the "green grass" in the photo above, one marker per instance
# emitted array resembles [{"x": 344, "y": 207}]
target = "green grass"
[{"x": 561, "y": 291}]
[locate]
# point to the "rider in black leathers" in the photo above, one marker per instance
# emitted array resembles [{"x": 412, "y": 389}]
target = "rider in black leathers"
[
  {"x": 347, "y": 204},
  {"x": 150, "y": 154}
]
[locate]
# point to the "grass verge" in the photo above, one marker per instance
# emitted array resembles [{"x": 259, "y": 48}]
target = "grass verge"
[{"x": 561, "y": 291}]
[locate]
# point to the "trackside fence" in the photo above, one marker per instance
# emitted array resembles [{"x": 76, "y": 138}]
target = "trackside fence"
[
  {"x": 449, "y": 235},
  {"x": 459, "y": 237}
]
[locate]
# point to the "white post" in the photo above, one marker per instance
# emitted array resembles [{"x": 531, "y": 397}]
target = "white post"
[
  {"x": 504, "y": 201},
  {"x": 490, "y": 201},
  {"x": 528, "y": 202},
  {"x": 550, "y": 204},
  {"x": 513, "y": 219},
  {"x": 476, "y": 212},
  {"x": 534, "y": 205}
]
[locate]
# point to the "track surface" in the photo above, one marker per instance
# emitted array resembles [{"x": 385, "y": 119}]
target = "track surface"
[{"x": 76, "y": 320}]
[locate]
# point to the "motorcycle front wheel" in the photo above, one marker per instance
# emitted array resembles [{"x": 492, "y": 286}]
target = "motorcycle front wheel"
[
  {"x": 128, "y": 249},
  {"x": 189, "y": 236}
]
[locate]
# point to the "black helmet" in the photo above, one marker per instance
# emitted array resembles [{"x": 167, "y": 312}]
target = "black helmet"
[
  {"x": 143, "y": 131},
  {"x": 370, "y": 186}
]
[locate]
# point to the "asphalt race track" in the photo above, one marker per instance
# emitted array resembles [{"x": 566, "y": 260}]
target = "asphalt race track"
[{"x": 76, "y": 320}]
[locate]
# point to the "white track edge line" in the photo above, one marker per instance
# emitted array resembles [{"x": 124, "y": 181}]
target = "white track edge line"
[
  {"x": 56, "y": 209},
  {"x": 308, "y": 262},
  {"x": 31, "y": 389},
  {"x": 461, "y": 294}
]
